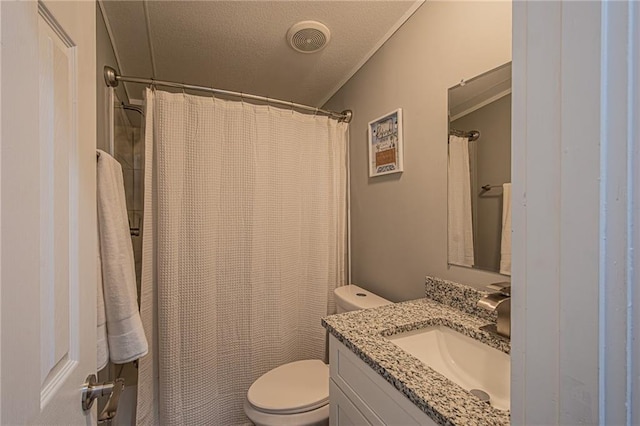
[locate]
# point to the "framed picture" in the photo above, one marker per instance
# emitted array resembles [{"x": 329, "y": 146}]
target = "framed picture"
[{"x": 385, "y": 144}]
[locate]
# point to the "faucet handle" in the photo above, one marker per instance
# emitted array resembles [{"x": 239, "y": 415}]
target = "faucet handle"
[{"x": 503, "y": 288}]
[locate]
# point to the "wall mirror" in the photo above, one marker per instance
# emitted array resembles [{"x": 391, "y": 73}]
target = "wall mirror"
[{"x": 479, "y": 172}]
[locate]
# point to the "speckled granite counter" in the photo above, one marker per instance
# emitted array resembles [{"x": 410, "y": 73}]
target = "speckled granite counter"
[{"x": 364, "y": 332}]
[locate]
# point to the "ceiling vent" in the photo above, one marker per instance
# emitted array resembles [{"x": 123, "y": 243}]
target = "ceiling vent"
[{"x": 308, "y": 36}]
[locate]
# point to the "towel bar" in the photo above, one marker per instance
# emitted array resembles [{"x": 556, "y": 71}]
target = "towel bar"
[{"x": 488, "y": 187}]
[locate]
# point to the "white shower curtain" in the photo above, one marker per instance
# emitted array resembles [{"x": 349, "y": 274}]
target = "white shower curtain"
[
  {"x": 244, "y": 242},
  {"x": 460, "y": 224}
]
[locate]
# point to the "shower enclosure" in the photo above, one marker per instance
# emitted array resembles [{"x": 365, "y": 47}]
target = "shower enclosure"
[
  {"x": 244, "y": 243},
  {"x": 124, "y": 139},
  {"x": 244, "y": 240}
]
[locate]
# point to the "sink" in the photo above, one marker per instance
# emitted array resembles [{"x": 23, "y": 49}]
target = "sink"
[{"x": 465, "y": 361}]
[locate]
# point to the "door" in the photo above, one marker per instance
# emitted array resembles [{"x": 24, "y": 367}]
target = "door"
[{"x": 47, "y": 210}]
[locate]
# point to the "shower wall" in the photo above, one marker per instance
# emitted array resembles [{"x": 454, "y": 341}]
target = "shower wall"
[{"x": 129, "y": 151}]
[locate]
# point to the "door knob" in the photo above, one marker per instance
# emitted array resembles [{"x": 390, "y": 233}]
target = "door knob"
[{"x": 92, "y": 390}]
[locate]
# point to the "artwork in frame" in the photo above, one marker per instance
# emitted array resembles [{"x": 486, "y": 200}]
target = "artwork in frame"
[{"x": 385, "y": 144}]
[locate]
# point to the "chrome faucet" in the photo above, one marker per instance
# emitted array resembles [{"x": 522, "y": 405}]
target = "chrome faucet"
[{"x": 499, "y": 301}]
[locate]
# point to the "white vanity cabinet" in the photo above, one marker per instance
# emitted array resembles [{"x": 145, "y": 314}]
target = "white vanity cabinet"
[{"x": 360, "y": 396}]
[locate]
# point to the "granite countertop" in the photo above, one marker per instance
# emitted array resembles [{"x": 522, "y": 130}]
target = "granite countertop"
[{"x": 364, "y": 332}]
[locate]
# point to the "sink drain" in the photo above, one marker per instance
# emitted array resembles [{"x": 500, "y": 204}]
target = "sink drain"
[{"x": 482, "y": 395}]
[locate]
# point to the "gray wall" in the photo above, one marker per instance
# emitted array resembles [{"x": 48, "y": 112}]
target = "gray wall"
[
  {"x": 493, "y": 165},
  {"x": 399, "y": 221}
]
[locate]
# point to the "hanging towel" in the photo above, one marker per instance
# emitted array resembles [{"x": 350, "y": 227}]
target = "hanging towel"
[
  {"x": 505, "y": 246},
  {"x": 460, "y": 227},
  {"x": 125, "y": 334},
  {"x": 103, "y": 345}
]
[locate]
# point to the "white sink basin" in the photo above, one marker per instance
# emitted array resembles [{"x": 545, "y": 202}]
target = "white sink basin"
[{"x": 461, "y": 359}]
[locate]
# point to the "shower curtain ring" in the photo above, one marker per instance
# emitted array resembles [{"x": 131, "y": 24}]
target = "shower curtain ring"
[
  {"x": 291, "y": 107},
  {"x": 315, "y": 113}
]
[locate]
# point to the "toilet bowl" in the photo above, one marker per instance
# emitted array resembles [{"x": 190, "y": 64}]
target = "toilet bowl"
[
  {"x": 297, "y": 393},
  {"x": 294, "y": 394}
]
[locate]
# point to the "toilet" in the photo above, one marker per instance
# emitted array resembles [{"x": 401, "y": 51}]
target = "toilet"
[{"x": 297, "y": 393}]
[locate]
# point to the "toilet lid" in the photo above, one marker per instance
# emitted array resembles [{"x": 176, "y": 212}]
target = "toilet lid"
[{"x": 292, "y": 388}]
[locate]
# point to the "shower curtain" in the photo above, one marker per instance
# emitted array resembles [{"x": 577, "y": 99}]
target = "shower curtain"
[
  {"x": 244, "y": 241},
  {"x": 460, "y": 226}
]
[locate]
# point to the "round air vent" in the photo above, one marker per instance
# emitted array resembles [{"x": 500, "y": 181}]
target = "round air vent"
[{"x": 308, "y": 36}]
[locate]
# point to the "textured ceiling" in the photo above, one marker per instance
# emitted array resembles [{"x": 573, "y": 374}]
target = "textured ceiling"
[{"x": 241, "y": 45}]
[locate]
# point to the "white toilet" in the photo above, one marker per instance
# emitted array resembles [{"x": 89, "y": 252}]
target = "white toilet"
[{"x": 297, "y": 393}]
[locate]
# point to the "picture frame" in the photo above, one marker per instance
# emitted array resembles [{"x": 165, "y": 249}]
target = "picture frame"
[{"x": 385, "y": 144}]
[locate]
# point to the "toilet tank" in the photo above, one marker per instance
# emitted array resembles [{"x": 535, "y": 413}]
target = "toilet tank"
[{"x": 351, "y": 298}]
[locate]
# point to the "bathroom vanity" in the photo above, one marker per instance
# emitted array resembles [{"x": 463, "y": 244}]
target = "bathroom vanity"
[
  {"x": 359, "y": 396},
  {"x": 375, "y": 381}
]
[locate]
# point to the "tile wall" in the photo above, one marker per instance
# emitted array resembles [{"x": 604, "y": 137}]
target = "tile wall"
[{"x": 129, "y": 151}]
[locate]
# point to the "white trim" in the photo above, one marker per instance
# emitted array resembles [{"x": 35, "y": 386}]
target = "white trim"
[
  {"x": 375, "y": 48},
  {"x": 349, "y": 205},
  {"x": 602, "y": 232},
  {"x": 481, "y": 104},
  {"x": 618, "y": 281},
  {"x": 1, "y": 283},
  {"x": 58, "y": 376},
  {"x": 633, "y": 216},
  {"x": 54, "y": 24},
  {"x": 633, "y": 231},
  {"x": 575, "y": 213}
]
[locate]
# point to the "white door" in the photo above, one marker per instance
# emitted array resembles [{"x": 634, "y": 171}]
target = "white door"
[{"x": 48, "y": 210}]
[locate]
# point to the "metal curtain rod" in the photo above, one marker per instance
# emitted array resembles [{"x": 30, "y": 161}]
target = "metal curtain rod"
[
  {"x": 135, "y": 108},
  {"x": 488, "y": 187},
  {"x": 472, "y": 135},
  {"x": 112, "y": 79}
]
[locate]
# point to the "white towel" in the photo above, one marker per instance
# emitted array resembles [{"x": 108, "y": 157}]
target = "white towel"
[
  {"x": 125, "y": 334},
  {"x": 103, "y": 345},
  {"x": 460, "y": 227},
  {"x": 505, "y": 245}
]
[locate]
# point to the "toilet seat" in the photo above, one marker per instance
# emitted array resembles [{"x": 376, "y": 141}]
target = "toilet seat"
[
  {"x": 317, "y": 417},
  {"x": 296, "y": 387}
]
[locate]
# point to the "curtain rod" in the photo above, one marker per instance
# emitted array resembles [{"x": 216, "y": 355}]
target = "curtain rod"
[
  {"x": 472, "y": 135},
  {"x": 135, "y": 108},
  {"x": 112, "y": 79}
]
